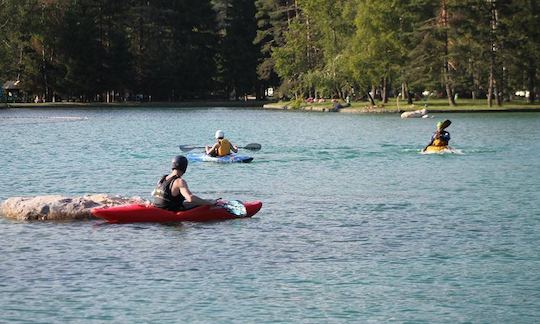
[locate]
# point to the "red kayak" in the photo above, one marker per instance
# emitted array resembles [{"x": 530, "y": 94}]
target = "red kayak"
[{"x": 147, "y": 213}]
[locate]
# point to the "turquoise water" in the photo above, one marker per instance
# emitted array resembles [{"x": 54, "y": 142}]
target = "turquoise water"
[{"x": 356, "y": 226}]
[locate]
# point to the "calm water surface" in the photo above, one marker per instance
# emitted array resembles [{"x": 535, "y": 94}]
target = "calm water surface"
[{"x": 356, "y": 226}]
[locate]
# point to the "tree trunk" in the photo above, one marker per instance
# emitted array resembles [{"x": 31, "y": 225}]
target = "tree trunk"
[
  {"x": 448, "y": 86},
  {"x": 532, "y": 82},
  {"x": 446, "y": 68},
  {"x": 491, "y": 84},
  {"x": 503, "y": 89},
  {"x": 371, "y": 97},
  {"x": 492, "y": 81},
  {"x": 377, "y": 91},
  {"x": 44, "y": 60},
  {"x": 408, "y": 95},
  {"x": 384, "y": 92}
]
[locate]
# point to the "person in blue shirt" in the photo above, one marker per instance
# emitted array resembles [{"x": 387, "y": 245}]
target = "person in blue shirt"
[{"x": 441, "y": 137}]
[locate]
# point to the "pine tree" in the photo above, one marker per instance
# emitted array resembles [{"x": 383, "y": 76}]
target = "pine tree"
[
  {"x": 273, "y": 20},
  {"x": 238, "y": 54}
]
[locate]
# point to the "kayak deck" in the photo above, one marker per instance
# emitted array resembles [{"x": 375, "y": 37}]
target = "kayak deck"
[
  {"x": 438, "y": 149},
  {"x": 231, "y": 158}
]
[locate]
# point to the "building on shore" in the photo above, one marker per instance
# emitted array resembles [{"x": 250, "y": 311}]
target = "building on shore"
[{"x": 12, "y": 90}]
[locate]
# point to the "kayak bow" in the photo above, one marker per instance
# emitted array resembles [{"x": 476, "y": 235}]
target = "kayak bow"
[{"x": 438, "y": 149}]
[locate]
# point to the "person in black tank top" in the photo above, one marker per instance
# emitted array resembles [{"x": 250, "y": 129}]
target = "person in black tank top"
[{"x": 172, "y": 192}]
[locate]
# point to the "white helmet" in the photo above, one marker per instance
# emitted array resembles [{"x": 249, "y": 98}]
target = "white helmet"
[{"x": 219, "y": 134}]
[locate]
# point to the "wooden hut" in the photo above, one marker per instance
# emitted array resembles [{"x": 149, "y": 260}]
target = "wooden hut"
[{"x": 12, "y": 89}]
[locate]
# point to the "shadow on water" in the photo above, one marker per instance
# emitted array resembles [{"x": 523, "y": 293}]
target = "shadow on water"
[
  {"x": 136, "y": 226},
  {"x": 181, "y": 226}
]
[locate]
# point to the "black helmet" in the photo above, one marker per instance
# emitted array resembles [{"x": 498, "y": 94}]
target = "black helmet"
[{"x": 179, "y": 163}]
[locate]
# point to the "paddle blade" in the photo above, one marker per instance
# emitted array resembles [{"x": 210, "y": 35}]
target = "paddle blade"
[
  {"x": 187, "y": 148},
  {"x": 253, "y": 146},
  {"x": 236, "y": 208},
  {"x": 446, "y": 123}
]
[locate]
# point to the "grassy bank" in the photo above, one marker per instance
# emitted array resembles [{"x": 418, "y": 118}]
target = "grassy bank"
[{"x": 395, "y": 106}]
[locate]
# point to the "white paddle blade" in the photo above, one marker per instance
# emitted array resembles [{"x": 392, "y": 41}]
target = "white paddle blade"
[{"x": 236, "y": 208}]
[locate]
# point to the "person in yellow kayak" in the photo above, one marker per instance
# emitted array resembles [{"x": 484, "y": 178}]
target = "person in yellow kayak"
[
  {"x": 441, "y": 137},
  {"x": 222, "y": 146},
  {"x": 172, "y": 192}
]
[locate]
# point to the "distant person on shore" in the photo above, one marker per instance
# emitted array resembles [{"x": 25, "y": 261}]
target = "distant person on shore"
[
  {"x": 172, "y": 192},
  {"x": 222, "y": 146},
  {"x": 441, "y": 137}
]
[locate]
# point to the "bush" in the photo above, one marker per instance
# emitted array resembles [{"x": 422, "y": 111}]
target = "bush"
[{"x": 297, "y": 103}]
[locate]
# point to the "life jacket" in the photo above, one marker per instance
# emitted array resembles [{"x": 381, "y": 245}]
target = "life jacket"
[
  {"x": 224, "y": 147},
  {"x": 163, "y": 197},
  {"x": 442, "y": 139}
]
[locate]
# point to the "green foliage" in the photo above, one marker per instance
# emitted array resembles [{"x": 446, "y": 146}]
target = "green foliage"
[
  {"x": 273, "y": 19},
  {"x": 182, "y": 49},
  {"x": 312, "y": 57},
  {"x": 238, "y": 54},
  {"x": 296, "y": 103}
]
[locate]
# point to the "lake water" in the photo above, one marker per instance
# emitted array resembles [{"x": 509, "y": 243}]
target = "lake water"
[{"x": 356, "y": 226}]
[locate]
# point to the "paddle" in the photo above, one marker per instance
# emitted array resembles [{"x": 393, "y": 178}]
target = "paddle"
[
  {"x": 445, "y": 124},
  {"x": 250, "y": 146},
  {"x": 234, "y": 207}
]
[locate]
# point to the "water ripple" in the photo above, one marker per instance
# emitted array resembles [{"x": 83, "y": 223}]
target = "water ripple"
[{"x": 356, "y": 225}]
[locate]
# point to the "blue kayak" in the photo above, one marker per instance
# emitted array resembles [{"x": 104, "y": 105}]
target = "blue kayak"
[{"x": 231, "y": 158}]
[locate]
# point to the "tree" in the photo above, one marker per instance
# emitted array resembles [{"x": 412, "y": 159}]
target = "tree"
[
  {"x": 238, "y": 55},
  {"x": 173, "y": 45},
  {"x": 522, "y": 45},
  {"x": 433, "y": 57},
  {"x": 377, "y": 51},
  {"x": 273, "y": 20}
]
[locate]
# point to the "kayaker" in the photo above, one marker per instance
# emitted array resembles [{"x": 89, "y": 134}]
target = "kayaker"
[
  {"x": 441, "y": 137},
  {"x": 222, "y": 146},
  {"x": 172, "y": 192}
]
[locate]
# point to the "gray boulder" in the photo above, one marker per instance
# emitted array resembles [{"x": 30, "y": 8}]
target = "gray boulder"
[
  {"x": 57, "y": 207},
  {"x": 422, "y": 113}
]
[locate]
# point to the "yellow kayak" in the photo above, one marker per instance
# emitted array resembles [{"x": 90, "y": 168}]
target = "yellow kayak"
[{"x": 435, "y": 149}]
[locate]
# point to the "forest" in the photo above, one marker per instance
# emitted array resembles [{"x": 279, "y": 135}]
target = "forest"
[{"x": 173, "y": 50}]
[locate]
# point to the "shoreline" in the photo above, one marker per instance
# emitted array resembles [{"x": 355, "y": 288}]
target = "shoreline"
[
  {"x": 393, "y": 110},
  {"x": 134, "y": 104},
  {"x": 270, "y": 105}
]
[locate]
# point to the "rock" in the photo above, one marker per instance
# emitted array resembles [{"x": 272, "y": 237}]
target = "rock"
[
  {"x": 415, "y": 114},
  {"x": 57, "y": 207}
]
